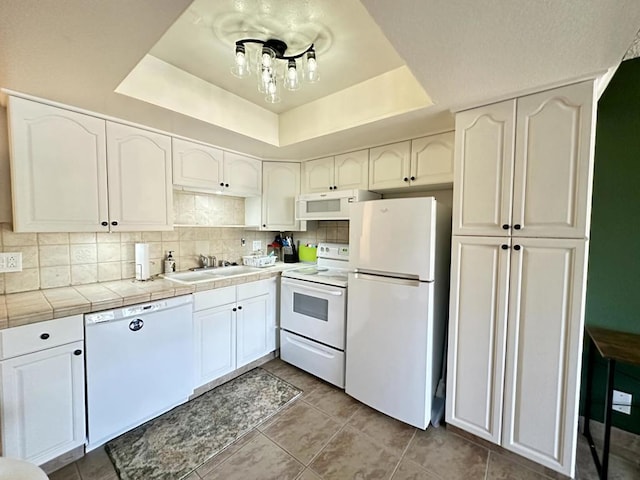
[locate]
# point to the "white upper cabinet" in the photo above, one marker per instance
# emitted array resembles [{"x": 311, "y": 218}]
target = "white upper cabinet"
[
  {"x": 352, "y": 171},
  {"x": 318, "y": 175},
  {"x": 432, "y": 160},
  {"x": 197, "y": 165},
  {"x": 525, "y": 167},
  {"x": 347, "y": 171},
  {"x": 63, "y": 161},
  {"x": 140, "y": 187},
  {"x": 200, "y": 167},
  {"x": 389, "y": 166},
  {"x": 422, "y": 162},
  {"x": 242, "y": 175},
  {"x": 484, "y": 170},
  {"x": 58, "y": 169},
  {"x": 554, "y": 163},
  {"x": 275, "y": 209}
]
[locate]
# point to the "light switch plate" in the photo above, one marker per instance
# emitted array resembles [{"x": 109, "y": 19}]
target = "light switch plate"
[
  {"x": 10, "y": 262},
  {"x": 622, "y": 402}
]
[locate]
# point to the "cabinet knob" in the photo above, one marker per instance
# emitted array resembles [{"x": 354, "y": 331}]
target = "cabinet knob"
[
  {"x": 114, "y": 223},
  {"x": 517, "y": 226},
  {"x": 330, "y": 188},
  {"x": 222, "y": 184},
  {"x": 505, "y": 246},
  {"x": 413, "y": 178},
  {"x": 77, "y": 352},
  {"x": 104, "y": 224},
  {"x": 226, "y": 184},
  {"x": 505, "y": 227},
  {"x": 44, "y": 336},
  {"x": 264, "y": 225},
  {"x": 335, "y": 187},
  {"x": 516, "y": 247},
  {"x": 239, "y": 307},
  {"x": 234, "y": 309},
  {"x": 405, "y": 179}
]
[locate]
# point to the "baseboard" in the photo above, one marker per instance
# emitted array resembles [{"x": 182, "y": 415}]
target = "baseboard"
[
  {"x": 63, "y": 460},
  {"x": 230, "y": 376}
]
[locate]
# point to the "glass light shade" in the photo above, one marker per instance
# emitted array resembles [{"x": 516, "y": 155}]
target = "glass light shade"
[
  {"x": 267, "y": 57},
  {"x": 266, "y": 77},
  {"x": 241, "y": 68},
  {"x": 291, "y": 78},
  {"x": 312, "y": 75}
]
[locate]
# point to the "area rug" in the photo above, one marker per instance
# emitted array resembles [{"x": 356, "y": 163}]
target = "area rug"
[{"x": 174, "y": 444}]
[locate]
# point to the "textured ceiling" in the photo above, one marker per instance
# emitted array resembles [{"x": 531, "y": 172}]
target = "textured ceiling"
[{"x": 462, "y": 53}]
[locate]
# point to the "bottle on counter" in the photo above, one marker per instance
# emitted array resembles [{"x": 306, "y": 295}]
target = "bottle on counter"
[{"x": 169, "y": 263}]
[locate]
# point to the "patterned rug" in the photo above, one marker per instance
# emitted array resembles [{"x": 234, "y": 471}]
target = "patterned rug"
[{"x": 174, "y": 444}]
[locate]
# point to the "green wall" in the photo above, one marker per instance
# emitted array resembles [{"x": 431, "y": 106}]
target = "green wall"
[{"x": 613, "y": 282}]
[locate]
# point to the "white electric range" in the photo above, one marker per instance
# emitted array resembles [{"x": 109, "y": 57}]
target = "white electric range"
[{"x": 313, "y": 314}]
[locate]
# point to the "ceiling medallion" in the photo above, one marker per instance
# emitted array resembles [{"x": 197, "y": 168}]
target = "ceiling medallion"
[{"x": 273, "y": 66}]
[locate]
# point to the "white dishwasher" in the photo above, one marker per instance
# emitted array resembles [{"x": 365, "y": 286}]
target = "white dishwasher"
[{"x": 139, "y": 364}]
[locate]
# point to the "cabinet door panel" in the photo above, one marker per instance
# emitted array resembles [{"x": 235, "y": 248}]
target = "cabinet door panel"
[
  {"x": 196, "y": 165},
  {"x": 432, "y": 160},
  {"x": 477, "y": 335},
  {"x": 352, "y": 170},
  {"x": 43, "y": 403},
  {"x": 281, "y": 186},
  {"x": 554, "y": 162},
  {"x": 483, "y": 169},
  {"x": 544, "y": 350},
  {"x": 243, "y": 175},
  {"x": 389, "y": 165},
  {"x": 58, "y": 167},
  {"x": 256, "y": 332},
  {"x": 140, "y": 188},
  {"x": 215, "y": 349},
  {"x": 318, "y": 175}
]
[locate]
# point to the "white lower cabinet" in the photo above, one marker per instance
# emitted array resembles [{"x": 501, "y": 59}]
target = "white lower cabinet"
[
  {"x": 43, "y": 390},
  {"x": 233, "y": 326},
  {"x": 515, "y": 344}
]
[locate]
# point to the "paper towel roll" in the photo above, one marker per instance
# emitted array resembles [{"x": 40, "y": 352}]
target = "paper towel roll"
[{"x": 142, "y": 261}]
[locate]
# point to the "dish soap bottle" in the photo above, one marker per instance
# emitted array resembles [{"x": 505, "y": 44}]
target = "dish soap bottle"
[{"x": 169, "y": 263}]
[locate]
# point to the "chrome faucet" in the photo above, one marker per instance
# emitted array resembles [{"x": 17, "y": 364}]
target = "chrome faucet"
[{"x": 208, "y": 261}]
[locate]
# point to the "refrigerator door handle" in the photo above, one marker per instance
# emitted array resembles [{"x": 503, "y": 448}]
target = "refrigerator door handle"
[{"x": 378, "y": 278}]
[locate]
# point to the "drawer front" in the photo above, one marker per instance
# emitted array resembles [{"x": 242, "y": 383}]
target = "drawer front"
[
  {"x": 40, "y": 336},
  {"x": 315, "y": 358},
  {"x": 213, "y": 298},
  {"x": 255, "y": 289}
]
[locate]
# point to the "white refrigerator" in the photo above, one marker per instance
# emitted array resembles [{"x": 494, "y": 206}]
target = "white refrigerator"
[{"x": 397, "y": 307}]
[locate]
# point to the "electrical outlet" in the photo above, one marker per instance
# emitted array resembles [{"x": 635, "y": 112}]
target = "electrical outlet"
[
  {"x": 622, "y": 402},
  {"x": 242, "y": 242},
  {"x": 257, "y": 245},
  {"x": 11, "y": 262}
]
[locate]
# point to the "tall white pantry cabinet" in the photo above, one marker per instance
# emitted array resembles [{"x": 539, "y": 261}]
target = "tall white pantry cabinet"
[{"x": 521, "y": 210}]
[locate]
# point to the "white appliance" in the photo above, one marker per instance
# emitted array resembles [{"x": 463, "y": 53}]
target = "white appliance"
[
  {"x": 330, "y": 205},
  {"x": 313, "y": 309},
  {"x": 139, "y": 363},
  {"x": 398, "y": 295}
]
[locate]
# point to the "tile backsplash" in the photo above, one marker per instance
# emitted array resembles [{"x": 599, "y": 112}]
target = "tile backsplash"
[{"x": 62, "y": 259}]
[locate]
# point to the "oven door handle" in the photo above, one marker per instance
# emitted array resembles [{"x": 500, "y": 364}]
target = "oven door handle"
[
  {"x": 309, "y": 348},
  {"x": 335, "y": 293}
]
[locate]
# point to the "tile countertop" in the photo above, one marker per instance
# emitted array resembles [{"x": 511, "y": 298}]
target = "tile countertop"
[{"x": 36, "y": 306}]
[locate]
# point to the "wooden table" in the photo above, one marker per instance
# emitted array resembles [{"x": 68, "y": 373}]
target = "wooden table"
[{"x": 613, "y": 346}]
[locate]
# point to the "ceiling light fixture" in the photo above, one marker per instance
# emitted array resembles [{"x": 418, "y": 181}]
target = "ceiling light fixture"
[{"x": 273, "y": 66}]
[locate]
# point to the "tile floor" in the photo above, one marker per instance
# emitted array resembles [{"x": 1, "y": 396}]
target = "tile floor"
[{"x": 327, "y": 435}]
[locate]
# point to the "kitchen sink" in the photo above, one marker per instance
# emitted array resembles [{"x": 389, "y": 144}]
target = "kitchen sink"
[{"x": 201, "y": 276}]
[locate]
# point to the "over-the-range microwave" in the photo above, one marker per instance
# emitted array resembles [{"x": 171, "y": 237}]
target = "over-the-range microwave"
[{"x": 330, "y": 205}]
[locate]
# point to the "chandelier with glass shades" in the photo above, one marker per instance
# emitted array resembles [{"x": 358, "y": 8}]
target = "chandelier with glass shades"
[{"x": 273, "y": 67}]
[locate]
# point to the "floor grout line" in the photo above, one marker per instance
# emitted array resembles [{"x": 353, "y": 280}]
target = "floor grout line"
[{"x": 406, "y": 448}]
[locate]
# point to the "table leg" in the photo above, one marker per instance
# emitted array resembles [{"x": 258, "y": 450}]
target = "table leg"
[
  {"x": 607, "y": 419},
  {"x": 587, "y": 406}
]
